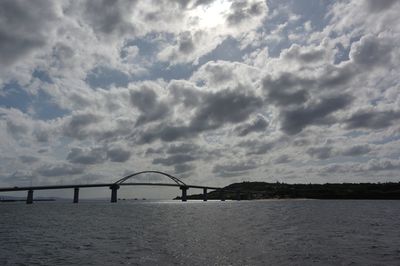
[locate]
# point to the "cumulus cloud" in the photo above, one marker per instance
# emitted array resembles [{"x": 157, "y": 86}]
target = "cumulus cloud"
[
  {"x": 257, "y": 125},
  {"x": 174, "y": 159},
  {"x": 378, "y": 6},
  {"x": 109, "y": 18},
  {"x": 245, "y": 11},
  {"x": 55, "y": 170},
  {"x": 372, "y": 119},
  {"x": 295, "y": 120},
  {"x": 77, "y": 126},
  {"x": 320, "y": 152},
  {"x": 24, "y": 27},
  {"x": 28, "y": 159},
  {"x": 118, "y": 154},
  {"x": 97, "y": 155},
  {"x": 146, "y": 100},
  {"x": 371, "y": 51},
  {"x": 234, "y": 168},
  {"x": 86, "y": 156}
]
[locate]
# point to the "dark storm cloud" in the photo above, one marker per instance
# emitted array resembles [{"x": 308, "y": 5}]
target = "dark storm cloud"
[
  {"x": 76, "y": 125},
  {"x": 86, "y": 156},
  {"x": 174, "y": 159},
  {"x": 296, "y": 119},
  {"x": 282, "y": 159},
  {"x": 356, "y": 150},
  {"x": 213, "y": 111},
  {"x": 371, "y": 166},
  {"x": 234, "y": 169},
  {"x": 110, "y": 16},
  {"x": 184, "y": 93},
  {"x": 16, "y": 128},
  {"x": 186, "y": 44},
  {"x": 224, "y": 107},
  {"x": 183, "y": 148},
  {"x": 118, "y": 154},
  {"x": 320, "y": 152},
  {"x": 258, "y": 125},
  {"x": 146, "y": 100},
  {"x": 326, "y": 152},
  {"x": 255, "y": 147},
  {"x": 241, "y": 10},
  {"x": 28, "y": 159},
  {"x": 378, "y": 6},
  {"x": 41, "y": 135},
  {"x": 50, "y": 170},
  {"x": 286, "y": 89},
  {"x": 371, "y": 51},
  {"x": 98, "y": 155},
  {"x": 151, "y": 151},
  {"x": 297, "y": 53},
  {"x": 382, "y": 165},
  {"x": 24, "y": 26},
  {"x": 183, "y": 168},
  {"x": 336, "y": 76},
  {"x": 164, "y": 132},
  {"x": 372, "y": 119}
]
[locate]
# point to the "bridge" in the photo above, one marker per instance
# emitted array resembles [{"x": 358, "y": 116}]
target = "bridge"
[{"x": 117, "y": 184}]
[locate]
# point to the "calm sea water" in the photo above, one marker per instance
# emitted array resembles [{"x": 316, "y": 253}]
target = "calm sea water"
[{"x": 276, "y": 232}]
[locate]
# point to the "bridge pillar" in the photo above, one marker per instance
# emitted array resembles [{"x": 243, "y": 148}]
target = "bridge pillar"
[
  {"x": 204, "y": 194},
  {"x": 29, "y": 198},
  {"x": 76, "y": 195},
  {"x": 114, "y": 195},
  {"x": 238, "y": 195},
  {"x": 222, "y": 195},
  {"x": 184, "y": 193}
]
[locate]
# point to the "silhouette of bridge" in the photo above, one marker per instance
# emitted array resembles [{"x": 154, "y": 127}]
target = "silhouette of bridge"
[{"x": 116, "y": 185}]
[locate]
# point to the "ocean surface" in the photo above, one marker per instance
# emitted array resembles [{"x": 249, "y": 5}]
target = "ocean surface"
[{"x": 269, "y": 232}]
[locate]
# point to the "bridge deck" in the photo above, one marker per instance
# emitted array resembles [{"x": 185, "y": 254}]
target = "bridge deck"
[{"x": 4, "y": 189}]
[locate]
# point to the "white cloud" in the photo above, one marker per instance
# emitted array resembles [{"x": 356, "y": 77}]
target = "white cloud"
[{"x": 200, "y": 88}]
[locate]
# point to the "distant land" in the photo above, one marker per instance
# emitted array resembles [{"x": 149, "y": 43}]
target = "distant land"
[{"x": 263, "y": 190}]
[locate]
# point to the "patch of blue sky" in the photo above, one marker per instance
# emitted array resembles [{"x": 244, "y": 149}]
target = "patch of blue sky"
[
  {"x": 228, "y": 50},
  {"x": 40, "y": 105},
  {"x": 104, "y": 77},
  {"x": 45, "y": 108},
  {"x": 314, "y": 11},
  {"x": 387, "y": 139},
  {"x": 42, "y": 75},
  {"x": 13, "y": 96},
  {"x": 305, "y": 11}
]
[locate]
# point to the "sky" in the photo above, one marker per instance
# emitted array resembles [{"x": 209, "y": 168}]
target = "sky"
[{"x": 211, "y": 91}]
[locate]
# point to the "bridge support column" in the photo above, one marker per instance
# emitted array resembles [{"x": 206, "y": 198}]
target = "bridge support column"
[
  {"x": 238, "y": 195},
  {"x": 204, "y": 194},
  {"x": 184, "y": 193},
  {"x": 114, "y": 195},
  {"x": 76, "y": 195},
  {"x": 29, "y": 198},
  {"x": 222, "y": 195}
]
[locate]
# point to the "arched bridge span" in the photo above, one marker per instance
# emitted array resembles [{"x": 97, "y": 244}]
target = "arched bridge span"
[{"x": 173, "y": 178}]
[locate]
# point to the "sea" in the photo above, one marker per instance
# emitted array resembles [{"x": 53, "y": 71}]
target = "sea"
[{"x": 259, "y": 232}]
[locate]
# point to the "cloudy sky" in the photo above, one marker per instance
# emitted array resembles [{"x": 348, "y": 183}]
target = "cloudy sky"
[{"x": 212, "y": 91}]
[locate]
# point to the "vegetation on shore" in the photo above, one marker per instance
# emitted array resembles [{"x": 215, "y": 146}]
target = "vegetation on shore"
[{"x": 263, "y": 190}]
